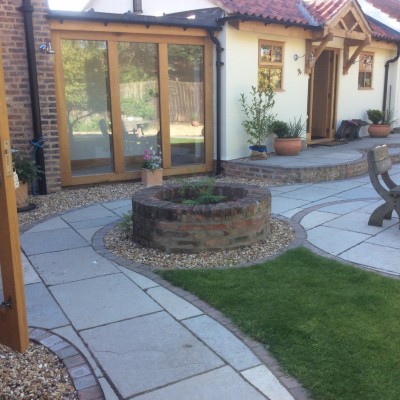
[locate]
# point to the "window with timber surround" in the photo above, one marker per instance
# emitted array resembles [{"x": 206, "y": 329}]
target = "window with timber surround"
[
  {"x": 366, "y": 63},
  {"x": 270, "y": 65}
]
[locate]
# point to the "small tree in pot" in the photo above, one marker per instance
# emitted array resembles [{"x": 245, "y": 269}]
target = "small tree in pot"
[{"x": 258, "y": 118}]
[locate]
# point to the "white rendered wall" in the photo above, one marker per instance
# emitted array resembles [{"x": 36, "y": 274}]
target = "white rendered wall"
[
  {"x": 353, "y": 102},
  {"x": 150, "y": 7},
  {"x": 240, "y": 72}
]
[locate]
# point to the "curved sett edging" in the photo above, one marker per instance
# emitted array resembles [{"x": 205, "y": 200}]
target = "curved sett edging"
[{"x": 81, "y": 373}]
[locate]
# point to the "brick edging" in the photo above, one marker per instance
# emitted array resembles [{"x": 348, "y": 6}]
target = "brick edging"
[{"x": 85, "y": 381}]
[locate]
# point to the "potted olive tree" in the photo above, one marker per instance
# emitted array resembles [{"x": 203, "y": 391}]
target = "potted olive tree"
[
  {"x": 288, "y": 136},
  {"x": 381, "y": 122},
  {"x": 27, "y": 172},
  {"x": 258, "y": 119}
]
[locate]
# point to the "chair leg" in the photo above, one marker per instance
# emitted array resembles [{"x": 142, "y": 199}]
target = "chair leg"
[{"x": 383, "y": 211}]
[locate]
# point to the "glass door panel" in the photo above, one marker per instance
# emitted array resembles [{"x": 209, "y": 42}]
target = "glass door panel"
[
  {"x": 186, "y": 103},
  {"x": 139, "y": 96},
  {"x": 88, "y": 111}
]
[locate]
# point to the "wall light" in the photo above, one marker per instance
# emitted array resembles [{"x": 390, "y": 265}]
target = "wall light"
[{"x": 311, "y": 59}]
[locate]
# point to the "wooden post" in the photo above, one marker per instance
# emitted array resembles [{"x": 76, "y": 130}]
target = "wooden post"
[{"x": 13, "y": 321}]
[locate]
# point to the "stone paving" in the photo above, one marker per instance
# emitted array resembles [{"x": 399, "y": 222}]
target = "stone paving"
[{"x": 143, "y": 339}]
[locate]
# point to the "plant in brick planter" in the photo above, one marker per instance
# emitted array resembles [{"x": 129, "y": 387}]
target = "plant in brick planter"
[
  {"x": 152, "y": 172},
  {"x": 258, "y": 119}
]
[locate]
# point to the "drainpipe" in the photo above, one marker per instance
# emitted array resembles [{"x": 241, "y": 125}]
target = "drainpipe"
[
  {"x": 387, "y": 76},
  {"x": 219, "y": 64},
  {"x": 37, "y": 141}
]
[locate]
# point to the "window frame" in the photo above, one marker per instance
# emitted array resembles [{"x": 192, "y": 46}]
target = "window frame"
[
  {"x": 271, "y": 64},
  {"x": 363, "y": 70}
]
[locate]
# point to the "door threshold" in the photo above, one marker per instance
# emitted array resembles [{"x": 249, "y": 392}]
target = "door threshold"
[{"x": 316, "y": 141}]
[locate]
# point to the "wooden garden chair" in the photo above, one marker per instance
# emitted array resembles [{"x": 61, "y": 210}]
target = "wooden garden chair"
[{"x": 379, "y": 164}]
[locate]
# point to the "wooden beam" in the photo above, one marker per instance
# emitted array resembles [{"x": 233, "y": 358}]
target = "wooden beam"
[
  {"x": 348, "y": 62},
  {"x": 13, "y": 321},
  {"x": 322, "y": 45}
]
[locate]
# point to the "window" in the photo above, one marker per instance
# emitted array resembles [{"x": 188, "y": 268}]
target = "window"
[
  {"x": 366, "y": 62},
  {"x": 270, "y": 65}
]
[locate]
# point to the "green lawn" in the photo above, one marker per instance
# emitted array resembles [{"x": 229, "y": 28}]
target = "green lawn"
[{"x": 332, "y": 326}]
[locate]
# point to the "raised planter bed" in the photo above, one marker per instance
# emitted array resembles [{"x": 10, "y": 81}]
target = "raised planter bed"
[{"x": 160, "y": 222}]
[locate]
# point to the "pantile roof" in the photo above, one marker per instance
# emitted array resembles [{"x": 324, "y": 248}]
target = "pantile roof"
[
  {"x": 390, "y": 7},
  {"x": 308, "y": 12}
]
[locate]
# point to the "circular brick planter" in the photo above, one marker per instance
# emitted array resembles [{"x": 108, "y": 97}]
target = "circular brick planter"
[{"x": 160, "y": 223}]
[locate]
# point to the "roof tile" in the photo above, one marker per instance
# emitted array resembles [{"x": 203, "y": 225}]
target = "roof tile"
[{"x": 390, "y": 7}]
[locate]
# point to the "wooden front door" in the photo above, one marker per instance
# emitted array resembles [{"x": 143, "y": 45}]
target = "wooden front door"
[
  {"x": 13, "y": 322},
  {"x": 323, "y": 92}
]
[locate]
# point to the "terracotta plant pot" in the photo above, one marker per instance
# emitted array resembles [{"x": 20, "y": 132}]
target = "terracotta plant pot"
[
  {"x": 21, "y": 195},
  {"x": 287, "y": 146},
  {"x": 379, "y": 131},
  {"x": 152, "y": 177}
]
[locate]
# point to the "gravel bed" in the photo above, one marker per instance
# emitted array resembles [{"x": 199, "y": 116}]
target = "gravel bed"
[
  {"x": 118, "y": 243},
  {"x": 38, "y": 373},
  {"x": 35, "y": 374}
]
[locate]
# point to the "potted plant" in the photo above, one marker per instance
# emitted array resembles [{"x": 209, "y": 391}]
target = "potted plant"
[
  {"x": 27, "y": 172},
  {"x": 381, "y": 122},
  {"x": 258, "y": 119},
  {"x": 152, "y": 172},
  {"x": 288, "y": 136}
]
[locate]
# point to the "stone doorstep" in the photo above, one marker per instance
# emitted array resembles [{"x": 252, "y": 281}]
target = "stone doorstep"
[{"x": 81, "y": 373}]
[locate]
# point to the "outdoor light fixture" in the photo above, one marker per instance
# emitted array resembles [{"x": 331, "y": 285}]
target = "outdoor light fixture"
[
  {"x": 311, "y": 59},
  {"x": 46, "y": 48},
  {"x": 137, "y": 6}
]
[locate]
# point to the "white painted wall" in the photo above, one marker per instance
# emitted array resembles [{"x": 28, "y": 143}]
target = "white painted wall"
[
  {"x": 354, "y": 103},
  {"x": 150, "y": 7},
  {"x": 240, "y": 72}
]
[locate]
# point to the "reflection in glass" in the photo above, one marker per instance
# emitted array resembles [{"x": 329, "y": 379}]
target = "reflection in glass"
[
  {"x": 268, "y": 76},
  {"x": 139, "y": 94},
  {"x": 186, "y": 103},
  {"x": 88, "y": 106}
]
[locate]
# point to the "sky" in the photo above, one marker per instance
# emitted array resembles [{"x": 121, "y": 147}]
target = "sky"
[{"x": 67, "y": 5}]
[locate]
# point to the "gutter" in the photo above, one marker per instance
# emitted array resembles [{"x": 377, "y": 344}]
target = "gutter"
[
  {"x": 219, "y": 65},
  {"x": 27, "y": 10},
  {"x": 385, "y": 85}
]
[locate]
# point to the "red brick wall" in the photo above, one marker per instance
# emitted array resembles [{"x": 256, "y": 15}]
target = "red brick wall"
[{"x": 12, "y": 40}]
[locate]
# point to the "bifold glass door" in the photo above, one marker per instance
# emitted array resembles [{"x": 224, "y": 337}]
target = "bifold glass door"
[{"x": 114, "y": 102}]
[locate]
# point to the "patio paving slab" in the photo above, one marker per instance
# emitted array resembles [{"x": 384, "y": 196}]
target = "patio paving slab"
[
  {"x": 87, "y": 233},
  {"x": 267, "y": 383},
  {"x": 96, "y": 211},
  {"x": 222, "y": 341},
  {"x": 102, "y": 300},
  {"x": 334, "y": 241},
  {"x": 30, "y": 275},
  {"x": 95, "y": 222},
  {"x": 385, "y": 259},
  {"x": 358, "y": 222},
  {"x": 311, "y": 194},
  {"x": 220, "y": 384},
  {"x": 315, "y": 218},
  {"x": 49, "y": 241},
  {"x": 175, "y": 305},
  {"x": 345, "y": 207},
  {"x": 281, "y": 204},
  {"x": 71, "y": 265},
  {"x": 390, "y": 237},
  {"x": 140, "y": 280},
  {"x": 41, "y": 308},
  {"x": 69, "y": 333},
  {"x": 147, "y": 352},
  {"x": 51, "y": 224}
]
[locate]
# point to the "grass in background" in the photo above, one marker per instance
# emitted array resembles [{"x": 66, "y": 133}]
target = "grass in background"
[{"x": 332, "y": 326}]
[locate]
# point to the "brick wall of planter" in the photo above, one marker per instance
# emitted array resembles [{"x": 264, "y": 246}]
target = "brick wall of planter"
[{"x": 162, "y": 224}]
